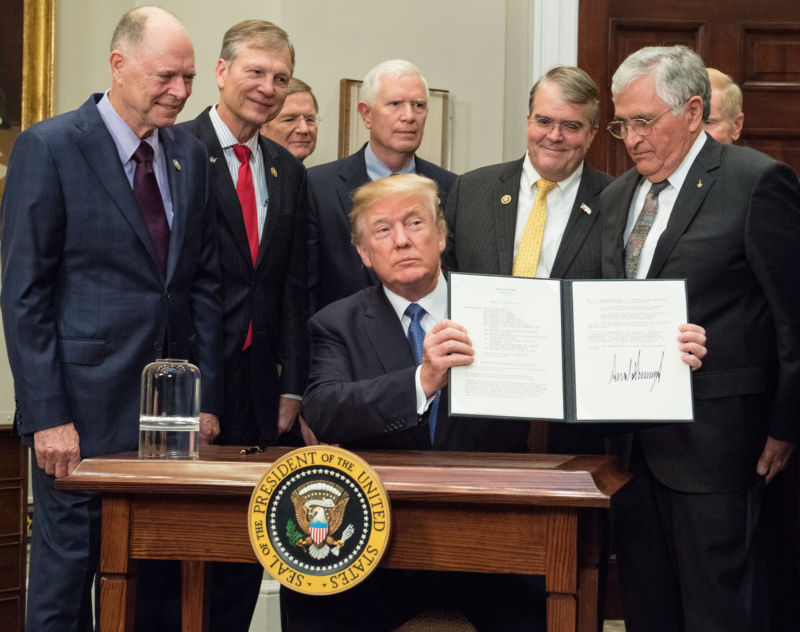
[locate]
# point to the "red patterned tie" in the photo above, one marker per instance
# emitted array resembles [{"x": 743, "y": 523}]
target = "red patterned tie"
[
  {"x": 247, "y": 198},
  {"x": 151, "y": 206}
]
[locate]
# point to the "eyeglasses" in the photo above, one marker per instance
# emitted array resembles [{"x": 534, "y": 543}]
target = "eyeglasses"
[
  {"x": 642, "y": 126},
  {"x": 545, "y": 125},
  {"x": 292, "y": 119}
]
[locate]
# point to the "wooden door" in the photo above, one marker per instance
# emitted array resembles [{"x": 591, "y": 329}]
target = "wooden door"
[{"x": 758, "y": 43}]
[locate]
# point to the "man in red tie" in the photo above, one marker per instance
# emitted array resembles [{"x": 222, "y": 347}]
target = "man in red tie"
[{"x": 259, "y": 195}]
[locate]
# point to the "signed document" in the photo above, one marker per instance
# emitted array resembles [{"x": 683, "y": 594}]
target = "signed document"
[{"x": 575, "y": 351}]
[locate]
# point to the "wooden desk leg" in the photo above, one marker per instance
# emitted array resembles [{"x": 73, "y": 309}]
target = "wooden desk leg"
[
  {"x": 562, "y": 570},
  {"x": 117, "y": 570},
  {"x": 194, "y": 596},
  {"x": 592, "y": 565}
]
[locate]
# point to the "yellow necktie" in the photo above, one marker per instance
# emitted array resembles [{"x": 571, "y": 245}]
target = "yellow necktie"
[{"x": 531, "y": 243}]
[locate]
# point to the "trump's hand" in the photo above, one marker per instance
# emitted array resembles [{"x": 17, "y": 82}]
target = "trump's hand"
[
  {"x": 57, "y": 449},
  {"x": 446, "y": 345},
  {"x": 692, "y": 344}
]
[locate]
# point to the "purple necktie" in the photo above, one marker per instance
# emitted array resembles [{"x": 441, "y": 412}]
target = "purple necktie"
[{"x": 148, "y": 198}]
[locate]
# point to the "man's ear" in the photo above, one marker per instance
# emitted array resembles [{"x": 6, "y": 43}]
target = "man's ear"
[
  {"x": 694, "y": 108},
  {"x": 364, "y": 111},
  {"x": 738, "y": 122},
  {"x": 220, "y": 71},
  {"x": 364, "y": 255}
]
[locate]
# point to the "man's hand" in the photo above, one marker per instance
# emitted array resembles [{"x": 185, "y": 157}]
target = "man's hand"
[
  {"x": 692, "y": 344},
  {"x": 209, "y": 428},
  {"x": 57, "y": 449},
  {"x": 774, "y": 457},
  {"x": 308, "y": 434},
  {"x": 446, "y": 345},
  {"x": 288, "y": 409}
]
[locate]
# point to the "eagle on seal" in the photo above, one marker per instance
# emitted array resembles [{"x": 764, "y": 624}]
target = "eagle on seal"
[{"x": 319, "y": 508}]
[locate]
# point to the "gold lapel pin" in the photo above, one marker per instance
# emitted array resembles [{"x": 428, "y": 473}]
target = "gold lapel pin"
[
  {"x": 274, "y": 172},
  {"x": 586, "y": 209},
  {"x": 699, "y": 184},
  {"x": 505, "y": 199},
  {"x": 176, "y": 163},
  {"x": 212, "y": 159}
]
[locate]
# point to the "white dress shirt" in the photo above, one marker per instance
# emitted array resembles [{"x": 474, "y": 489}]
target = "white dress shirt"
[{"x": 559, "y": 206}]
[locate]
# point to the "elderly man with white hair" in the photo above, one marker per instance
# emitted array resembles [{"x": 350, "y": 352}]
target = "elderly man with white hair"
[{"x": 393, "y": 107}]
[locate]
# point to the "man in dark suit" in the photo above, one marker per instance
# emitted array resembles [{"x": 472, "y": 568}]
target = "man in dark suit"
[
  {"x": 488, "y": 209},
  {"x": 97, "y": 283},
  {"x": 393, "y": 107},
  {"x": 727, "y": 219},
  {"x": 367, "y": 392},
  {"x": 259, "y": 197}
]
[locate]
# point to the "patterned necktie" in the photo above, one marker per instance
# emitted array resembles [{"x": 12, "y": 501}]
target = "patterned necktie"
[
  {"x": 247, "y": 199},
  {"x": 635, "y": 243},
  {"x": 416, "y": 336},
  {"x": 148, "y": 199},
  {"x": 530, "y": 246}
]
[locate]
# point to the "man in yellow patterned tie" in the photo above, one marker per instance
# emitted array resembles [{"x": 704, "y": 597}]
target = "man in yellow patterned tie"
[{"x": 535, "y": 216}]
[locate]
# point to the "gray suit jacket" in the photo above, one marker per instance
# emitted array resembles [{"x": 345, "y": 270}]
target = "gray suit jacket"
[{"x": 481, "y": 213}]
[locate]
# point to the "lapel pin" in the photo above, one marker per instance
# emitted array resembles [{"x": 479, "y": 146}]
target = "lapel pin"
[
  {"x": 699, "y": 184},
  {"x": 586, "y": 209},
  {"x": 176, "y": 163},
  {"x": 274, "y": 172},
  {"x": 505, "y": 199},
  {"x": 213, "y": 159}
]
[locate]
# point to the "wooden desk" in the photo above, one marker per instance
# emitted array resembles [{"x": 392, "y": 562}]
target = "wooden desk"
[{"x": 535, "y": 514}]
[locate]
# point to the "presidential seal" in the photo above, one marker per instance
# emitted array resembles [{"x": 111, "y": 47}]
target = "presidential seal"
[{"x": 319, "y": 520}]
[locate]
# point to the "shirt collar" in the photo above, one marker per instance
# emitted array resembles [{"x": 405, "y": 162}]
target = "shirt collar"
[
  {"x": 530, "y": 176},
  {"x": 434, "y": 303},
  {"x": 226, "y": 137},
  {"x": 377, "y": 170},
  {"x": 124, "y": 138}
]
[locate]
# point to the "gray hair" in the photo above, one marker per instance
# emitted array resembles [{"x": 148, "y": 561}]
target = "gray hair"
[
  {"x": 679, "y": 73},
  {"x": 576, "y": 87},
  {"x": 391, "y": 68},
  {"x": 730, "y": 94}
]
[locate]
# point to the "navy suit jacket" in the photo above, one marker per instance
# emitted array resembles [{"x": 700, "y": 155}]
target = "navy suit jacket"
[
  {"x": 361, "y": 391},
  {"x": 85, "y": 304},
  {"x": 481, "y": 214},
  {"x": 271, "y": 294},
  {"x": 335, "y": 269},
  {"x": 733, "y": 235}
]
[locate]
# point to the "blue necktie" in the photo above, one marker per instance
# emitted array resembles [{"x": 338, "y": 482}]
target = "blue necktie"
[{"x": 416, "y": 336}]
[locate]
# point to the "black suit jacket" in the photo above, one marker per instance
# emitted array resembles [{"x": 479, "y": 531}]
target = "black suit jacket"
[
  {"x": 335, "y": 269},
  {"x": 361, "y": 390},
  {"x": 733, "y": 234},
  {"x": 271, "y": 293},
  {"x": 481, "y": 214}
]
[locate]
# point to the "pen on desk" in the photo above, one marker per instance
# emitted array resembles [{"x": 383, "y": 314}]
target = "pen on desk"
[{"x": 252, "y": 450}]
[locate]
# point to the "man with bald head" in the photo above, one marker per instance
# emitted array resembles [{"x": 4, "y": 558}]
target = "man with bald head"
[
  {"x": 725, "y": 117},
  {"x": 108, "y": 263}
]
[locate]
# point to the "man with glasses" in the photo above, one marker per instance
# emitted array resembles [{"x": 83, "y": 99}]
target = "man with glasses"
[
  {"x": 726, "y": 219},
  {"x": 295, "y": 127},
  {"x": 490, "y": 210},
  {"x": 394, "y": 107}
]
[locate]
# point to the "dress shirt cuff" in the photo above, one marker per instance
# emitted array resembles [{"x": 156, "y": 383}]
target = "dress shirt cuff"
[
  {"x": 422, "y": 401},
  {"x": 299, "y": 398}
]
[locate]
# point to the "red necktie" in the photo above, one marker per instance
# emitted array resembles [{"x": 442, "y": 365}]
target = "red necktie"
[
  {"x": 247, "y": 199},
  {"x": 148, "y": 199}
]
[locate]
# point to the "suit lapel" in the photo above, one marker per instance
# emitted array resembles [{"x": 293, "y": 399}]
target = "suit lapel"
[
  {"x": 616, "y": 217},
  {"x": 694, "y": 190},
  {"x": 178, "y": 184},
  {"x": 352, "y": 174},
  {"x": 97, "y": 146},
  {"x": 505, "y": 198},
  {"x": 223, "y": 189},
  {"x": 274, "y": 190},
  {"x": 578, "y": 224},
  {"x": 385, "y": 333}
]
